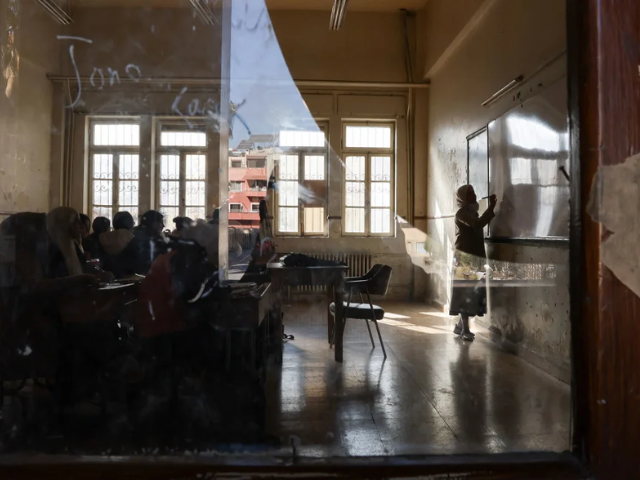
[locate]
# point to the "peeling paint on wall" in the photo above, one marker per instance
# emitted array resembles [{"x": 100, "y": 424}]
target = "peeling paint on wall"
[{"x": 613, "y": 202}]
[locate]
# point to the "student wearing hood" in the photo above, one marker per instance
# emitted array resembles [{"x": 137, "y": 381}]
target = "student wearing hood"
[
  {"x": 147, "y": 233},
  {"x": 470, "y": 301},
  {"x": 91, "y": 244},
  {"x": 66, "y": 255},
  {"x": 181, "y": 224},
  {"x": 120, "y": 247}
]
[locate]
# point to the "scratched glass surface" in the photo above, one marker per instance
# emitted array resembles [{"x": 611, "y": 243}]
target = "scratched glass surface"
[{"x": 275, "y": 262}]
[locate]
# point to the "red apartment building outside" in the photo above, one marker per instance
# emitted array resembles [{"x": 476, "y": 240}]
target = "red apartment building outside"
[{"x": 248, "y": 179}]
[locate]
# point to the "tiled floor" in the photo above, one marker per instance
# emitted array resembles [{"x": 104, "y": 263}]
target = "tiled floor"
[{"x": 434, "y": 394}]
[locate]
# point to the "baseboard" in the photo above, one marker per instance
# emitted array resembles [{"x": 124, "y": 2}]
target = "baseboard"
[
  {"x": 487, "y": 331},
  {"x": 441, "y": 307}
]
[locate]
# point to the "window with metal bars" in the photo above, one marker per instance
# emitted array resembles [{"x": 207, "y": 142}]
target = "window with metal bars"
[
  {"x": 182, "y": 175},
  {"x": 114, "y": 165},
  {"x": 302, "y": 184},
  {"x": 368, "y": 153}
]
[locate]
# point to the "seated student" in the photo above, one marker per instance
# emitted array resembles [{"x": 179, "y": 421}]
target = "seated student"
[
  {"x": 91, "y": 348},
  {"x": 147, "y": 233},
  {"x": 119, "y": 248},
  {"x": 181, "y": 224},
  {"x": 66, "y": 256},
  {"x": 90, "y": 244},
  {"x": 85, "y": 223},
  {"x": 206, "y": 236},
  {"x": 29, "y": 317}
]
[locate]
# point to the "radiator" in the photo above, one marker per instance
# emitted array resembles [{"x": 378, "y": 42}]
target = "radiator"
[{"x": 358, "y": 263}]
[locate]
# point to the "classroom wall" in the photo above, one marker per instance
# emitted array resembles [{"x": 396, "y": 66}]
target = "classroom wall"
[
  {"x": 25, "y": 106},
  {"x": 171, "y": 42},
  {"x": 128, "y": 44},
  {"x": 515, "y": 37},
  {"x": 442, "y": 22},
  {"x": 367, "y": 48}
]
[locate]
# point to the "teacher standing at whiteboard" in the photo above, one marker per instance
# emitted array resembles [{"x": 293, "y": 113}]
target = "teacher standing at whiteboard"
[{"x": 470, "y": 301}]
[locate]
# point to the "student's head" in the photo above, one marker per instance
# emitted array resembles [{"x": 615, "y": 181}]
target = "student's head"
[
  {"x": 466, "y": 195},
  {"x": 66, "y": 228},
  {"x": 182, "y": 223},
  {"x": 123, "y": 221},
  {"x": 215, "y": 217},
  {"x": 85, "y": 224},
  {"x": 101, "y": 225},
  {"x": 153, "y": 221}
]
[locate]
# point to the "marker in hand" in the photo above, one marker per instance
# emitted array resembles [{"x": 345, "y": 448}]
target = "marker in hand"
[{"x": 493, "y": 200}]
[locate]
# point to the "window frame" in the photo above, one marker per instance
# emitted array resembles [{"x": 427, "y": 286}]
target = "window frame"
[
  {"x": 369, "y": 152},
  {"x": 231, "y": 182},
  {"x": 115, "y": 151},
  {"x": 236, "y": 203},
  {"x": 181, "y": 151},
  {"x": 324, "y": 151}
]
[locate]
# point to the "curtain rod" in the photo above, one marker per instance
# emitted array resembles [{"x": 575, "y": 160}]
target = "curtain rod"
[{"x": 212, "y": 81}]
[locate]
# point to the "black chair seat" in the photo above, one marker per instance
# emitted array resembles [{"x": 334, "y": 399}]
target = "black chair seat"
[{"x": 359, "y": 311}]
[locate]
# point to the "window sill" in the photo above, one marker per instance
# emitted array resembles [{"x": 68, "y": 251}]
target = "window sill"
[{"x": 501, "y": 466}]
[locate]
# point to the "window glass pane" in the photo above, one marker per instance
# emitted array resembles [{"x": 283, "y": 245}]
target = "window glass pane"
[
  {"x": 256, "y": 162},
  {"x": 355, "y": 168},
  {"x": 314, "y": 220},
  {"x": 170, "y": 193},
  {"x": 103, "y": 166},
  {"x": 170, "y": 167},
  {"x": 235, "y": 186},
  {"x": 288, "y": 219},
  {"x": 368, "y": 137},
  {"x": 354, "y": 220},
  {"x": 288, "y": 167},
  {"x": 288, "y": 193},
  {"x": 132, "y": 209},
  {"x": 255, "y": 207},
  {"x": 195, "y": 168},
  {"x": 235, "y": 207},
  {"x": 196, "y": 213},
  {"x": 314, "y": 167},
  {"x": 102, "y": 192},
  {"x": 183, "y": 139},
  {"x": 128, "y": 193},
  {"x": 380, "y": 220},
  {"x": 102, "y": 212},
  {"x": 128, "y": 167},
  {"x": 380, "y": 194},
  {"x": 381, "y": 169},
  {"x": 116, "y": 135},
  {"x": 194, "y": 195},
  {"x": 169, "y": 214},
  {"x": 128, "y": 172},
  {"x": 295, "y": 138},
  {"x": 354, "y": 194}
]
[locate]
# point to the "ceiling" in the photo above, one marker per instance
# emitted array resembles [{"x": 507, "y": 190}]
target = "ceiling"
[{"x": 354, "y": 5}]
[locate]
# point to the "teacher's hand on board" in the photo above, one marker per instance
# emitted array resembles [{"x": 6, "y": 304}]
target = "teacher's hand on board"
[{"x": 493, "y": 201}]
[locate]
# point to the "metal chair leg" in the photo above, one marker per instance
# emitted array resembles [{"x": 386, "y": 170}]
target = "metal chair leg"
[
  {"x": 370, "y": 335},
  {"x": 337, "y": 324},
  {"x": 373, "y": 319},
  {"x": 380, "y": 337}
]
